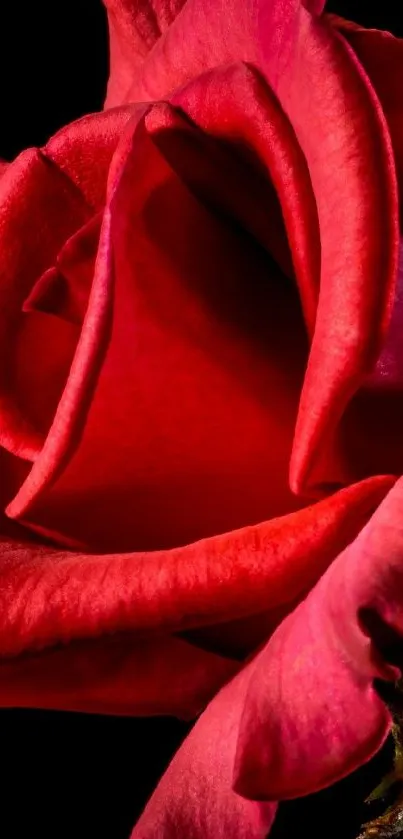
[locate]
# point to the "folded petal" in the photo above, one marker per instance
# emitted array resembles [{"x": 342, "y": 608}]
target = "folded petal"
[
  {"x": 30, "y": 182},
  {"x": 381, "y": 55},
  {"x": 195, "y": 796},
  {"x": 48, "y": 596},
  {"x": 83, "y": 151},
  {"x": 369, "y": 437},
  {"x": 312, "y": 712},
  {"x": 353, "y": 176},
  {"x": 64, "y": 289},
  {"x": 262, "y": 178}
]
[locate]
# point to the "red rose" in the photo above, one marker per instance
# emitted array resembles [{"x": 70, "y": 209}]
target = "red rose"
[{"x": 201, "y": 402}]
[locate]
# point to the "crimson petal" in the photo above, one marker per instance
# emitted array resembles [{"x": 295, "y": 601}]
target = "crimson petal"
[
  {"x": 235, "y": 105},
  {"x": 64, "y": 289},
  {"x": 30, "y": 181},
  {"x": 49, "y": 596}
]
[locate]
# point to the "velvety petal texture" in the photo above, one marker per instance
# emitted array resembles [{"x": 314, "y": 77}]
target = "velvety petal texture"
[
  {"x": 50, "y": 596},
  {"x": 305, "y": 711},
  {"x": 195, "y": 797}
]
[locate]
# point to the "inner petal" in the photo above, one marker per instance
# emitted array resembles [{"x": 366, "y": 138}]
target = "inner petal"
[
  {"x": 64, "y": 289},
  {"x": 189, "y": 429}
]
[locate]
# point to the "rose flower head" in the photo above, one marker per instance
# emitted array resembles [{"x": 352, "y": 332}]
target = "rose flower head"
[{"x": 201, "y": 403}]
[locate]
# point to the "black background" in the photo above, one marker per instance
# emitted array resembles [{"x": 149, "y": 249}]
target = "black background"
[{"x": 71, "y": 775}]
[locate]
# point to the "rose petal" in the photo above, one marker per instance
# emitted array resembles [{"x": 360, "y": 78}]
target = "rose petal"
[
  {"x": 48, "y": 182},
  {"x": 208, "y": 34},
  {"x": 64, "y": 290},
  {"x": 381, "y": 55},
  {"x": 119, "y": 675},
  {"x": 369, "y": 438},
  {"x": 227, "y": 389},
  {"x": 83, "y": 151},
  {"x": 134, "y": 28},
  {"x": 233, "y": 104},
  {"x": 195, "y": 797},
  {"x": 354, "y": 165},
  {"x": 48, "y": 596},
  {"x": 320, "y": 84},
  {"x": 312, "y": 714},
  {"x": 31, "y": 181},
  {"x": 304, "y": 711}
]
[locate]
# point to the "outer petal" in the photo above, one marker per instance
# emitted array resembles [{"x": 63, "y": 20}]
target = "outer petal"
[
  {"x": 83, "y": 150},
  {"x": 370, "y": 438},
  {"x": 195, "y": 797},
  {"x": 134, "y": 28},
  {"x": 359, "y": 264},
  {"x": 312, "y": 713},
  {"x": 381, "y": 55},
  {"x": 50, "y": 597}
]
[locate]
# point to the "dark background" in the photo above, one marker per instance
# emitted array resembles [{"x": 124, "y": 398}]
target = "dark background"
[{"x": 71, "y": 775}]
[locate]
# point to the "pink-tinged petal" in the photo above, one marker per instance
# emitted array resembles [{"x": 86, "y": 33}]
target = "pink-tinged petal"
[
  {"x": 48, "y": 596},
  {"x": 83, "y": 151},
  {"x": 118, "y": 675},
  {"x": 236, "y": 107},
  {"x": 353, "y": 177},
  {"x": 370, "y": 437},
  {"x": 342, "y": 131},
  {"x": 208, "y": 34},
  {"x": 195, "y": 796},
  {"x": 312, "y": 713},
  {"x": 30, "y": 182},
  {"x": 134, "y": 28},
  {"x": 193, "y": 404},
  {"x": 64, "y": 290},
  {"x": 381, "y": 55},
  {"x": 3, "y": 167}
]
